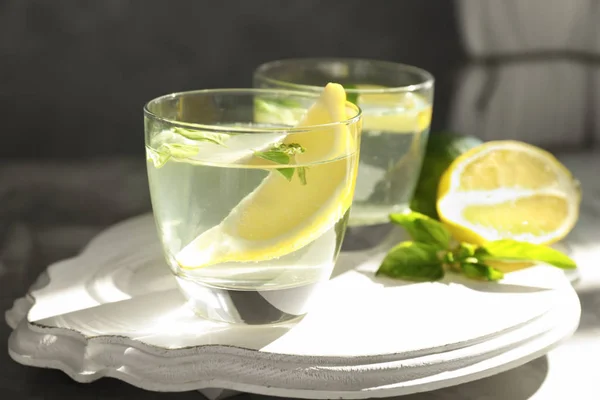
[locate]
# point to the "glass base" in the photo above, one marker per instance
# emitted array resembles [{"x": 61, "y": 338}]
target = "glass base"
[
  {"x": 248, "y": 307},
  {"x": 370, "y": 237}
]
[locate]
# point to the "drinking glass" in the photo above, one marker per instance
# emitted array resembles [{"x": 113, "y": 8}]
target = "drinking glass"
[
  {"x": 250, "y": 210},
  {"x": 396, "y": 103}
]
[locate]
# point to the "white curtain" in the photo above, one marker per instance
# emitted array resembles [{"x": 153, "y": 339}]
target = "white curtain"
[
  {"x": 492, "y": 27},
  {"x": 595, "y": 84},
  {"x": 544, "y": 100},
  {"x": 542, "y": 105}
]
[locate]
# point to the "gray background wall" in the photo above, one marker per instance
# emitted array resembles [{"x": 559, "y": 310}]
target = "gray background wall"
[{"x": 74, "y": 74}]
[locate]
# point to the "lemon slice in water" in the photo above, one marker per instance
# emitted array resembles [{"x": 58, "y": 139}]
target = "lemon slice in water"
[
  {"x": 282, "y": 216},
  {"x": 400, "y": 112}
]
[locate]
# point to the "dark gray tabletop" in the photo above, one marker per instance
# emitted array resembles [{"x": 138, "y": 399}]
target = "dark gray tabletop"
[{"x": 50, "y": 210}]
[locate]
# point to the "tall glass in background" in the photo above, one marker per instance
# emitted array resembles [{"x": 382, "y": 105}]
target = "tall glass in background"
[
  {"x": 396, "y": 102},
  {"x": 248, "y": 238}
]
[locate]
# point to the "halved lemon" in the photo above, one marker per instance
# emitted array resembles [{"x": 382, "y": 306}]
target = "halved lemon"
[
  {"x": 508, "y": 190},
  {"x": 282, "y": 216}
]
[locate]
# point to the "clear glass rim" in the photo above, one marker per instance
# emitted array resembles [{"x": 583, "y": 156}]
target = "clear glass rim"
[
  {"x": 261, "y": 72},
  {"x": 241, "y": 130}
]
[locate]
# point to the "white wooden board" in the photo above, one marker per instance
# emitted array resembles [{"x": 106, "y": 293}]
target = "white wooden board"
[{"x": 115, "y": 311}]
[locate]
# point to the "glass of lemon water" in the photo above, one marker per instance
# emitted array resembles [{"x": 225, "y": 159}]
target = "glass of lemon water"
[
  {"x": 251, "y": 209},
  {"x": 396, "y": 102}
]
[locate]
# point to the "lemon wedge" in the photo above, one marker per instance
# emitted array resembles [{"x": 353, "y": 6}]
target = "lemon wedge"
[
  {"x": 281, "y": 216},
  {"x": 405, "y": 112},
  {"x": 508, "y": 190}
]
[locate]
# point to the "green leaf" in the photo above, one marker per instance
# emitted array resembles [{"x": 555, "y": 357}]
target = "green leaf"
[
  {"x": 263, "y": 106},
  {"x": 291, "y": 149},
  {"x": 464, "y": 251},
  {"x": 302, "y": 175},
  {"x": 281, "y": 102},
  {"x": 511, "y": 250},
  {"x": 412, "y": 261},
  {"x": 281, "y": 154},
  {"x": 288, "y": 173},
  {"x": 179, "y": 150},
  {"x": 478, "y": 270},
  {"x": 212, "y": 137},
  {"x": 167, "y": 150},
  {"x": 158, "y": 158},
  {"x": 423, "y": 229},
  {"x": 351, "y": 97},
  {"x": 275, "y": 156},
  {"x": 282, "y": 110}
]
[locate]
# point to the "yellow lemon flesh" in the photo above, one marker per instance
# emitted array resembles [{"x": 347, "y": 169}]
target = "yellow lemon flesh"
[
  {"x": 282, "y": 216},
  {"x": 405, "y": 111},
  {"x": 508, "y": 190}
]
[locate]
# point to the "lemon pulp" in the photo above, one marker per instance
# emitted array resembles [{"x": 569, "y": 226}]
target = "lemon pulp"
[{"x": 508, "y": 190}]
